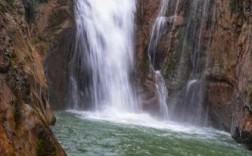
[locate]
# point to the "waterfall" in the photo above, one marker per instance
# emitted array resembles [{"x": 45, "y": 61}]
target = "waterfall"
[
  {"x": 157, "y": 30},
  {"x": 162, "y": 94},
  {"x": 104, "y": 56},
  {"x": 103, "y": 60},
  {"x": 188, "y": 105},
  {"x": 154, "y": 40}
]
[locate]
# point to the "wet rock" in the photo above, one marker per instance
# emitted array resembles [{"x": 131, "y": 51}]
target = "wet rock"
[
  {"x": 148, "y": 96},
  {"x": 23, "y": 91},
  {"x": 56, "y": 30},
  {"x": 57, "y": 72},
  {"x": 225, "y": 55},
  {"x": 243, "y": 132},
  {"x": 219, "y": 96},
  {"x": 4, "y": 64}
]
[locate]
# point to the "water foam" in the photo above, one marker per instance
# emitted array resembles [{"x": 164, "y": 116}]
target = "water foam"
[{"x": 145, "y": 120}]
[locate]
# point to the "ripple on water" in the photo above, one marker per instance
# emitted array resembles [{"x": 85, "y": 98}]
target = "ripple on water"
[{"x": 81, "y": 134}]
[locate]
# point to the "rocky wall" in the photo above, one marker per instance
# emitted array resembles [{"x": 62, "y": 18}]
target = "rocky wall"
[
  {"x": 24, "y": 109},
  {"x": 224, "y": 56}
]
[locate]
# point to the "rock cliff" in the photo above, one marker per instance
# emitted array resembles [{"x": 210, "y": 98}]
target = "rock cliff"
[
  {"x": 24, "y": 109},
  {"x": 208, "y": 41}
]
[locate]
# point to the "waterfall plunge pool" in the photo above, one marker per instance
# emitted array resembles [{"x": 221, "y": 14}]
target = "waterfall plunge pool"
[{"x": 90, "y": 134}]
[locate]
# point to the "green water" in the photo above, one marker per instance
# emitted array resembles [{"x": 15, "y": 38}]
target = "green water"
[{"x": 82, "y": 136}]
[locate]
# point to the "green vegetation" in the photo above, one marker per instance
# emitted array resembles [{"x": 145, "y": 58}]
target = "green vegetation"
[
  {"x": 17, "y": 113},
  {"x": 236, "y": 7},
  {"x": 41, "y": 1},
  {"x": 173, "y": 61},
  {"x": 45, "y": 146},
  {"x": 57, "y": 17},
  {"x": 145, "y": 62},
  {"x": 54, "y": 15},
  {"x": 2, "y": 9},
  {"x": 30, "y": 8},
  {"x": 171, "y": 66},
  {"x": 11, "y": 59},
  {"x": 11, "y": 3},
  {"x": 250, "y": 98},
  {"x": 6, "y": 5},
  {"x": 183, "y": 50}
]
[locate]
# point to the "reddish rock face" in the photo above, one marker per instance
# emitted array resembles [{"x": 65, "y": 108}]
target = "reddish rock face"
[
  {"x": 225, "y": 58},
  {"x": 4, "y": 64},
  {"x": 243, "y": 76},
  {"x": 147, "y": 11},
  {"x": 220, "y": 103},
  {"x": 55, "y": 31},
  {"x": 24, "y": 110},
  {"x": 230, "y": 63}
]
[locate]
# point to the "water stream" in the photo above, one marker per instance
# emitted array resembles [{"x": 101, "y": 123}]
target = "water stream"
[{"x": 85, "y": 134}]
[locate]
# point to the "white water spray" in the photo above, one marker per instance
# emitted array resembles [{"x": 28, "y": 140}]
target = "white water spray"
[
  {"x": 162, "y": 93},
  {"x": 107, "y": 26}
]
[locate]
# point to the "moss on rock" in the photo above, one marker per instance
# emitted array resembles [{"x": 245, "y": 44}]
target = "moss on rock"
[
  {"x": 45, "y": 146},
  {"x": 250, "y": 98}
]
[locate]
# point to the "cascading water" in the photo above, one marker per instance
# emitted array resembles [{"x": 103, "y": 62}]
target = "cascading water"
[
  {"x": 188, "y": 106},
  {"x": 103, "y": 60},
  {"x": 104, "y": 55},
  {"x": 157, "y": 33},
  {"x": 159, "y": 80},
  {"x": 157, "y": 30},
  {"x": 162, "y": 94}
]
